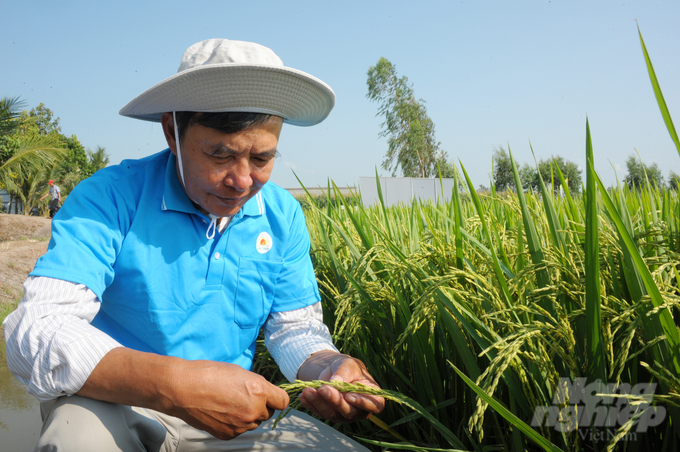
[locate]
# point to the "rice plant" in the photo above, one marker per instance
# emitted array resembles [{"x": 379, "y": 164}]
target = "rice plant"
[
  {"x": 515, "y": 321},
  {"x": 495, "y": 290}
]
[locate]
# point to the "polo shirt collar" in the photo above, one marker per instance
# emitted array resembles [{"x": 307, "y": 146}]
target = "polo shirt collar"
[
  {"x": 175, "y": 198},
  {"x": 254, "y": 207}
]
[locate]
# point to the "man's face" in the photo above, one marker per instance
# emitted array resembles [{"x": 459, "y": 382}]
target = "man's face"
[{"x": 223, "y": 171}]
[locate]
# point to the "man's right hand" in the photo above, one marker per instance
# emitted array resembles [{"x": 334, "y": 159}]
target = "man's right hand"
[{"x": 223, "y": 399}]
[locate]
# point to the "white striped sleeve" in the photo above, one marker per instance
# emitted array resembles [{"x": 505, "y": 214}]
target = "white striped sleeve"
[
  {"x": 50, "y": 345},
  {"x": 293, "y": 336}
]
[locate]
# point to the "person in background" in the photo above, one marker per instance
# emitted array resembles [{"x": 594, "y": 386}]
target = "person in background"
[
  {"x": 138, "y": 327},
  {"x": 55, "y": 194}
]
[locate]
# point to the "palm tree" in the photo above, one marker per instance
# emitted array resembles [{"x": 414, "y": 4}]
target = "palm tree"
[
  {"x": 24, "y": 156},
  {"x": 9, "y": 107},
  {"x": 98, "y": 159},
  {"x": 28, "y": 189}
]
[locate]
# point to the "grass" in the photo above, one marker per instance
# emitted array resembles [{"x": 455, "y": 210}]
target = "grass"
[{"x": 8, "y": 301}]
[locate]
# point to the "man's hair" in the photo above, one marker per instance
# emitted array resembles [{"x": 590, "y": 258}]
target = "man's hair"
[{"x": 227, "y": 122}]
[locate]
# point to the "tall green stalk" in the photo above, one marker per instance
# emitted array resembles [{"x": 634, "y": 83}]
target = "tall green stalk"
[{"x": 595, "y": 356}]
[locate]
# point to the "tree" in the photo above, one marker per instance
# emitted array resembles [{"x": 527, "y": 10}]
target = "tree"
[
  {"x": 28, "y": 188},
  {"x": 504, "y": 180},
  {"x": 78, "y": 164},
  {"x": 444, "y": 168},
  {"x": 24, "y": 152},
  {"x": 98, "y": 159},
  {"x": 673, "y": 180},
  {"x": 409, "y": 130},
  {"x": 639, "y": 173},
  {"x": 502, "y": 170},
  {"x": 528, "y": 175},
  {"x": 75, "y": 161},
  {"x": 33, "y": 150},
  {"x": 42, "y": 119},
  {"x": 548, "y": 171}
]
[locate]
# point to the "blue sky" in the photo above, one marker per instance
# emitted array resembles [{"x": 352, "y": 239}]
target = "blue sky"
[{"x": 491, "y": 73}]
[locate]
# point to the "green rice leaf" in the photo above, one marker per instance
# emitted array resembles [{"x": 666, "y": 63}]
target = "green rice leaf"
[
  {"x": 532, "y": 434},
  {"x": 295, "y": 389},
  {"x": 595, "y": 353},
  {"x": 458, "y": 212},
  {"x": 659, "y": 95},
  {"x": 664, "y": 315},
  {"x": 549, "y": 205},
  {"x": 408, "y": 446},
  {"x": 533, "y": 242},
  {"x": 494, "y": 257}
]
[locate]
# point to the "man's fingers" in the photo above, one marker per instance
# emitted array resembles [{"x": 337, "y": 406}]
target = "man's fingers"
[
  {"x": 267, "y": 413},
  {"x": 310, "y": 405},
  {"x": 329, "y": 403},
  {"x": 337, "y": 402},
  {"x": 277, "y": 398},
  {"x": 365, "y": 402}
]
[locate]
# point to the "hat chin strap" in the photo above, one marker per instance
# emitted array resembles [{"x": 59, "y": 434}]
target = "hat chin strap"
[
  {"x": 210, "y": 233},
  {"x": 179, "y": 154}
]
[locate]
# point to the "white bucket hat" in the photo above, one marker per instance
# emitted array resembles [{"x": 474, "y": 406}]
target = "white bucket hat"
[{"x": 220, "y": 75}]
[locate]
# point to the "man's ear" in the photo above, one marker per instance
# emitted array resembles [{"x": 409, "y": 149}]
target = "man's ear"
[{"x": 169, "y": 131}]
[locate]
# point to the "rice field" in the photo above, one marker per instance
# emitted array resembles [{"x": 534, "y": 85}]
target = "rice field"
[{"x": 515, "y": 321}]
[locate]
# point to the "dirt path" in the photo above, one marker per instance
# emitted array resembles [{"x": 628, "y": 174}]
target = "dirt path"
[{"x": 22, "y": 241}]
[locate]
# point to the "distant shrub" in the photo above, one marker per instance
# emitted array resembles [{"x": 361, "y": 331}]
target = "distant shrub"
[{"x": 321, "y": 201}]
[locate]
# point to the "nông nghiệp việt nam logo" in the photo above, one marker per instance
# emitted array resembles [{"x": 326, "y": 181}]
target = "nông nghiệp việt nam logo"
[{"x": 600, "y": 405}]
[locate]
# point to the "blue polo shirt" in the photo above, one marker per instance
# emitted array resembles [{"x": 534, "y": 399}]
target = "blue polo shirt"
[{"x": 131, "y": 235}]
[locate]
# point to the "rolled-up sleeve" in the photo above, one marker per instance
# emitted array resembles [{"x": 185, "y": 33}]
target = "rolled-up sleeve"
[
  {"x": 293, "y": 336},
  {"x": 50, "y": 345}
]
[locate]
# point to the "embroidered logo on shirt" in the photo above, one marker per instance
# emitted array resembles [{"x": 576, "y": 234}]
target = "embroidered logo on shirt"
[{"x": 264, "y": 243}]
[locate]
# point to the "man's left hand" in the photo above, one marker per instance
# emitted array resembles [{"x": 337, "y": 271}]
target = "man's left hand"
[{"x": 329, "y": 403}]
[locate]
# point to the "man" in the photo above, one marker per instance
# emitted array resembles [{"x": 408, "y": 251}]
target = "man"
[
  {"x": 161, "y": 272},
  {"x": 55, "y": 193}
]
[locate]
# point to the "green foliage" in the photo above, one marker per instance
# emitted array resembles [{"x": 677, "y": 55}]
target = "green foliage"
[
  {"x": 511, "y": 314},
  {"x": 673, "y": 180},
  {"x": 9, "y": 111},
  {"x": 412, "y": 146},
  {"x": 487, "y": 302},
  {"x": 28, "y": 147},
  {"x": 9, "y": 123},
  {"x": 75, "y": 166},
  {"x": 6, "y": 308},
  {"x": 638, "y": 173},
  {"x": 546, "y": 168},
  {"x": 98, "y": 159},
  {"x": 445, "y": 169},
  {"x": 9, "y": 300},
  {"x": 502, "y": 170},
  {"x": 33, "y": 150},
  {"x": 323, "y": 201},
  {"x": 40, "y": 120},
  {"x": 529, "y": 176},
  {"x": 659, "y": 95},
  {"x": 8, "y": 147}
]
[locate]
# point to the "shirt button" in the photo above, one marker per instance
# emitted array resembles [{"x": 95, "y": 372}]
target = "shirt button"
[{"x": 217, "y": 255}]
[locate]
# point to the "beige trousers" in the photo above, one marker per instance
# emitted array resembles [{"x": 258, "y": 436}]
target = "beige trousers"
[{"x": 76, "y": 424}]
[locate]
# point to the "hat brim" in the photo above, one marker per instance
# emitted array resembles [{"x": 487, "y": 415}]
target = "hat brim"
[{"x": 299, "y": 98}]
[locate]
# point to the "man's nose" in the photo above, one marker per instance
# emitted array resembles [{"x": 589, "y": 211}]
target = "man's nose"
[{"x": 239, "y": 176}]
